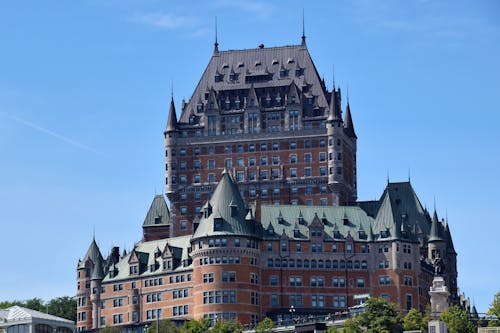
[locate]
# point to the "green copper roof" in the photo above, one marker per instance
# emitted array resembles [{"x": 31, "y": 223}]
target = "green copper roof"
[
  {"x": 225, "y": 213},
  {"x": 145, "y": 254},
  {"x": 295, "y": 221},
  {"x": 400, "y": 212}
]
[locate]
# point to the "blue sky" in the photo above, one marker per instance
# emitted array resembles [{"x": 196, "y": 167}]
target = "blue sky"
[{"x": 84, "y": 93}]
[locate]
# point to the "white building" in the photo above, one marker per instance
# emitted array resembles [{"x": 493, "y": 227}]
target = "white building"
[{"x": 17, "y": 319}]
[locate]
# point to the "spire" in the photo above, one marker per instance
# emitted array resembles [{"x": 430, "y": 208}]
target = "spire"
[
  {"x": 348, "y": 124},
  {"x": 172, "y": 116},
  {"x": 434, "y": 233},
  {"x": 303, "y": 30},
  {"x": 216, "y": 44}
]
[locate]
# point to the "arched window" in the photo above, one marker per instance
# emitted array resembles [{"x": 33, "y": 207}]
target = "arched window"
[
  {"x": 328, "y": 263},
  {"x": 356, "y": 264},
  {"x": 364, "y": 265},
  {"x": 335, "y": 264},
  {"x": 349, "y": 264},
  {"x": 342, "y": 264},
  {"x": 313, "y": 263},
  {"x": 306, "y": 263}
]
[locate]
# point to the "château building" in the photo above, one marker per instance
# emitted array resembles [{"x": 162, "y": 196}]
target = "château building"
[{"x": 263, "y": 212}]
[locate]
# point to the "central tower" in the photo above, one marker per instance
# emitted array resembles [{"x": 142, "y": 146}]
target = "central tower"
[{"x": 265, "y": 115}]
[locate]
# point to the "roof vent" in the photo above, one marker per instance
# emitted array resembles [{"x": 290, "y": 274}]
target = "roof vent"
[
  {"x": 258, "y": 63},
  {"x": 261, "y": 46},
  {"x": 275, "y": 61}
]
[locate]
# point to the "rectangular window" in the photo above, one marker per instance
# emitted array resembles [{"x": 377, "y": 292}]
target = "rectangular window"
[{"x": 293, "y": 159}]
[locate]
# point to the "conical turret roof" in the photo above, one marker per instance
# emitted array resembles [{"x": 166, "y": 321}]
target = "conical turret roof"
[
  {"x": 228, "y": 212},
  {"x": 348, "y": 123},
  {"x": 435, "y": 234},
  {"x": 172, "y": 117}
]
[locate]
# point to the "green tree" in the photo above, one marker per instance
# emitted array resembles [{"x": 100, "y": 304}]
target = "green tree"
[
  {"x": 415, "y": 320},
  {"x": 64, "y": 307},
  {"x": 223, "y": 326},
  {"x": 494, "y": 310},
  {"x": 380, "y": 317},
  {"x": 35, "y": 304},
  {"x": 166, "y": 326},
  {"x": 351, "y": 326},
  {"x": 332, "y": 329},
  {"x": 196, "y": 326},
  {"x": 265, "y": 326},
  {"x": 457, "y": 320},
  {"x": 8, "y": 304}
]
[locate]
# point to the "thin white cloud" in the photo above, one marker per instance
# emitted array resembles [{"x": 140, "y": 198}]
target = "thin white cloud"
[
  {"x": 164, "y": 20},
  {"x": 259, "y": 9},
  {"x": 53, "y": 134}
]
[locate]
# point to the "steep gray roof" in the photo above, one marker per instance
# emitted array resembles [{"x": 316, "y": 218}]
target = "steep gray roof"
[
  {"x": 258, "y": 62},
  {"x": 158, "y": 213},
  {"x": 226, "y": 205}
]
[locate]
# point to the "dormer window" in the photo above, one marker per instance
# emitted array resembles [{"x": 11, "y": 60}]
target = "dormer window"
[
  {"x": 337, "y": 235},
  {"x": 290, "y": 61},
  {"x": 275, "y": 61},
  {"x": 233, "y": 76},
  {"x": 157, "y": 220},
  {"x": 257, "y": 63},
  {"x": 225, "y": 65},
  {"x": 362, "y": 234},
  {"x": 270, "y": 230},
  {"x": 278, "y": 99},
  {"x": 234, "y": 210},
  {"x": 218, "y": 77},
  {"x": 192, "y": 119},
  {"x": 237, "y": 103},
  {"x": 384, "y": 234},
  {"x": 218, "y": 224},
  {"x": 241, "y": 64},
  {"x": 299, "y": 72},
  {"x": 199, "y": 107},
  {"x": 134, "y": 269},
  {"x": 283, "y": 72}
]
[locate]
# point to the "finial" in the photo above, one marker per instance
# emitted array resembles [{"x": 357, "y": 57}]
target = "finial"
[
  {"x": 303, "y": 29},
  {"x": 216, "y": 44},
  {"x": 333, "y": 77},
  {"x": 409, "y": 175},
  {"x": 172, "y": 89},
  {"x": 434, "y": 204},
  {"x": 387, "y": 176},
  {"x": 93, "y": 234},
  {"x": 347, "y": 94}
]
